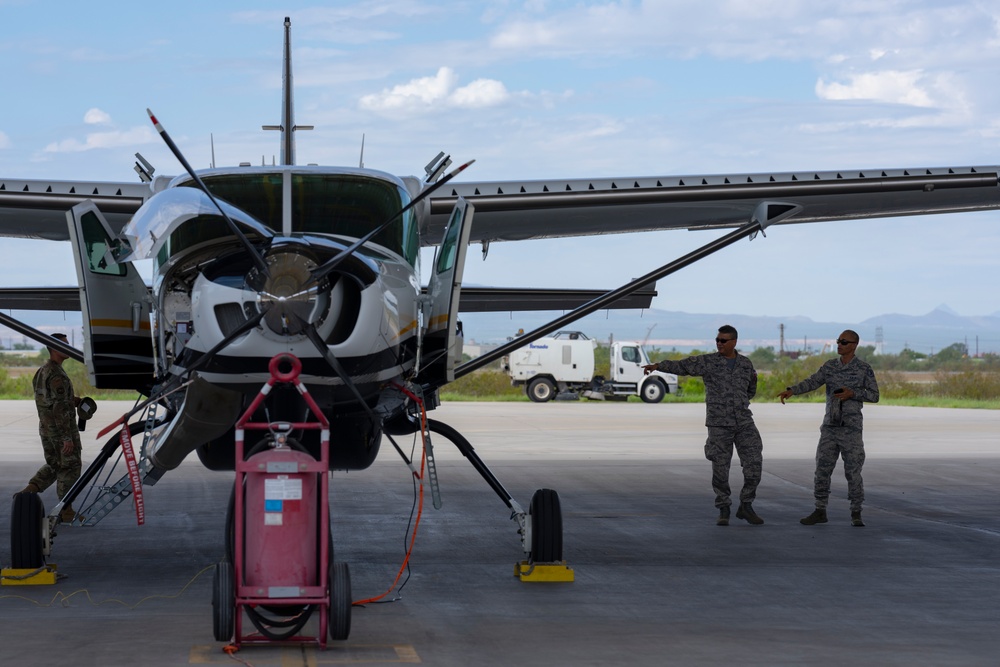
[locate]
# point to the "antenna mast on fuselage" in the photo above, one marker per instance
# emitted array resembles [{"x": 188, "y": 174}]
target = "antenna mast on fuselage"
[{"x": 287, "y": 127}]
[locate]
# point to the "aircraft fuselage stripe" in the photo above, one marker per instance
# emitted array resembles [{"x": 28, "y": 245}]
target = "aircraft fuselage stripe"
[{"x": 118, "y": 324}]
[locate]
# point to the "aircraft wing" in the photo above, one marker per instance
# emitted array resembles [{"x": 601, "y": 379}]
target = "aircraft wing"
[
  {"x": 474, "y": 299},
  {"x": 36, "y": 209},
  {"x": 40, "y": 298},
  {"x": 519, "y": 210},
  {"x": 504, "y": 299}
]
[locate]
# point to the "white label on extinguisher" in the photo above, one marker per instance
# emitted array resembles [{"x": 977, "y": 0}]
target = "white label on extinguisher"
[
  {"x": 272, "y": 518},
  {"x": 282, "y": 488}
]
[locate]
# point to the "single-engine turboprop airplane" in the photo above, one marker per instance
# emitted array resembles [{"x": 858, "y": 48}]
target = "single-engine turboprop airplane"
[{"x": 319, "y": 266}]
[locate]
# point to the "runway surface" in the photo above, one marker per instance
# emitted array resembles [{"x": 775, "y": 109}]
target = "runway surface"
[{"x": 657, "y": 583}]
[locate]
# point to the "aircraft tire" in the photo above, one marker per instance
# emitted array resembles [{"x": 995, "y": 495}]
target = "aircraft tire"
[
  {"x": 652, "y": 391},
  {"x": 541, "y": 390},
  {"x": 339, "y": 620},
  {"x": 26, "y": 532},
  {"x": 546, "y": 527},
  {"x": 223, "y": 601}
]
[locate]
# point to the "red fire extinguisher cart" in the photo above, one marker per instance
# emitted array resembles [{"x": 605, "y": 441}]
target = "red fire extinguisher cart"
[{"x": 282, "y": 569}]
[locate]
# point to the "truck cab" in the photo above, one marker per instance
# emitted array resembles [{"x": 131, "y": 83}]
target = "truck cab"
[{"x": 628, "y": 378}]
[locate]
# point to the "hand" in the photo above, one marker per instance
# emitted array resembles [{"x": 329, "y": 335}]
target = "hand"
[
  {"x": 785, "y": 394},
  {"x": 648, "y": 368},
  {"x": 844, "y": 394},
  {"x": 67, "y": 447}
]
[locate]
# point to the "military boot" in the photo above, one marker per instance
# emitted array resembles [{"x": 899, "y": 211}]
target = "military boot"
[
  {"x": 68, "y": 515},
  {"x": 746, "y": 513},
  {"x": 856, "y": 519},
  {"x": 818, "y": 516},
  {"x": 30, "y": 488},
  {"x": 723, "y": 519}
]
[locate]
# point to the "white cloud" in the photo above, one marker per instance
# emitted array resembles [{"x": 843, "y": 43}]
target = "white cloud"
[
  {"x": 900, "y": 32},
  {"x": 96, "y": 117},
  {"x": 480, "y": 93},
  {"x": 892, "y": 86},
  {"x": 4, "y": 140},
  {"x": 435, "y": 92},
  {"x": 113, "y": 139},
  {"x": 524, "y": 35}
]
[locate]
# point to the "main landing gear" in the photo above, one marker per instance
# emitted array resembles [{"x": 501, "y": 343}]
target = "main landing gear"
[
  {"x": 541, "y": 528},
  {"x": 31, "y": 535},
  {"x": 27, "y": 527}
]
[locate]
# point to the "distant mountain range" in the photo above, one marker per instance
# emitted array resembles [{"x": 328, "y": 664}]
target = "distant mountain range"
[{"x": 684, "y": 331}]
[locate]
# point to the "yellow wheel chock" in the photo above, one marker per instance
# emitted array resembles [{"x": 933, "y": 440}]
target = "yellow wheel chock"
[
  {"x": 39, "y": 576},
  {"x": 526, "y": 571}
]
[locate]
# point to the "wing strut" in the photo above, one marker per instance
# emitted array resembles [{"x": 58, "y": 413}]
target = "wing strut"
[
  {"x": 766, "y": 213},
  {"x": 41, "y": 337}
]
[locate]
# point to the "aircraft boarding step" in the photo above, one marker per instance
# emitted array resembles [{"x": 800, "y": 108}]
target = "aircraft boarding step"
[{"x": 107, "y": 497}]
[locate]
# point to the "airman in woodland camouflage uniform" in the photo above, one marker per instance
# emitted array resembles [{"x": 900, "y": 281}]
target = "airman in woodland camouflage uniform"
[
  {"x": 57, "y": 427},
  {"x": 849, "y": 383},
  {"x": 730, "y": 383}
]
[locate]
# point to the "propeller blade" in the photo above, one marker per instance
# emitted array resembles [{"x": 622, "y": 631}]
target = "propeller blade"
[
  {"x": 334, "y": 363},
  {"x": 258, "y": 260},
  {"x": 233, "y": 335},
  {"x": 322, "y": 271}
]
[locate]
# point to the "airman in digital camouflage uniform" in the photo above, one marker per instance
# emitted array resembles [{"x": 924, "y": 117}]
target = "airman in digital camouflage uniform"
[
  {"x": 57, "y": 427},
  {"x": 730, "y": 383},
  {"x": 849, "y": 383}
]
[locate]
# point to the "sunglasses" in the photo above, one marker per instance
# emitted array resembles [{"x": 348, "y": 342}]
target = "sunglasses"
[
  {"x": 723, "y": 341},
  {"x": 841, "y": 341}
]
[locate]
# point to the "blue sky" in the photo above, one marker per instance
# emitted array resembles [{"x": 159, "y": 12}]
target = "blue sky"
[{"x": 548, "y": 89}]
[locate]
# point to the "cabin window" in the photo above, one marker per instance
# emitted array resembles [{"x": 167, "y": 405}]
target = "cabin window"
[
  {"x": 449, "y": 245},
  {"x": 95, "y": 243}
]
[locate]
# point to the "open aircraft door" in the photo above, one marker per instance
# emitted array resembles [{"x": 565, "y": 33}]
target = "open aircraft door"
[
  {"x": 441, "y": 349},
  {"x": 118, "y": 348}
]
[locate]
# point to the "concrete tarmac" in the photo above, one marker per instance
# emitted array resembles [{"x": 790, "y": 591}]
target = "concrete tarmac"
[{"x": 657, "y": 582}]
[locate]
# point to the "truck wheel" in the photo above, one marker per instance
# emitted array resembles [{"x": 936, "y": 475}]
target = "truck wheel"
[
  {"x": 541, "y": 390},
  {"x": 652, "y": 391}
]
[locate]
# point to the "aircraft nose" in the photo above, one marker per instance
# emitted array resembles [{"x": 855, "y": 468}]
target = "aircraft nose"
[{"x": 289, "y": 295}]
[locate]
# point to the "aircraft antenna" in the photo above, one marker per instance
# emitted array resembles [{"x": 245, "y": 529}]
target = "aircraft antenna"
[
  {"x": 436, "y": 167},
  {"x": 143, "y": 168},
  {"x": 211, "y": 139},
  {"x": 361, "y": 161}
]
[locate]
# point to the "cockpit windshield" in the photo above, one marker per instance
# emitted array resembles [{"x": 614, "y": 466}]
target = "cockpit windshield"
[{"x": 343, "y": 204}]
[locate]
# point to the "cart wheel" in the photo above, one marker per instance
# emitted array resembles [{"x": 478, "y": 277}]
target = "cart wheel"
[
  {"x": 223, "y": 601},
  {"x": 340, "y": 601},
  {"x": 26, "y": 532},
  {"x": 546, "y": 527}
]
